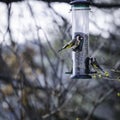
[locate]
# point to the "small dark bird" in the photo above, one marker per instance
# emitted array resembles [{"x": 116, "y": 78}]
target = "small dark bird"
[
  {"x": 95, "y": 65},
  {"x": 73, "y": 43}
]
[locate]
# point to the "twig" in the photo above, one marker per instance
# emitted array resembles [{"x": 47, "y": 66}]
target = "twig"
[{"x": 98, "y": 102}]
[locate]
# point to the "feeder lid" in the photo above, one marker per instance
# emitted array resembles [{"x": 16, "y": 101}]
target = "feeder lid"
[{"x": 75, "y": 2}]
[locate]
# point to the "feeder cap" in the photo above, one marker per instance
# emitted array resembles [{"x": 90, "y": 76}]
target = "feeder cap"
[{"x": 75, "y": 2}]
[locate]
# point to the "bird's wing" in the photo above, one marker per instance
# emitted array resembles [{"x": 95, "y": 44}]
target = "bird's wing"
[
  {"x": 98, "y": 66},
  {"x": 70, "y": 44}
]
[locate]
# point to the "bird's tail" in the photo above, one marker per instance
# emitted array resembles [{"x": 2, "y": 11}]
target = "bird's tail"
[
  {"x": 60, "y": 50},
  {"x": 102, "y": 70},
  {"x": 63, "y": 48},
  {"x": 106, "y": 74}
]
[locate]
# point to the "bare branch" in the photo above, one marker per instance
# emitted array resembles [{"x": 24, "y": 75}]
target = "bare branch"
[{"x": 98, "y": 102}]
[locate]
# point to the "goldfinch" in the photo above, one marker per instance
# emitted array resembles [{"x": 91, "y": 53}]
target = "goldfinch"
[
  {"x": 73, "y": 43},
  {"x": 97, "y": 67}
]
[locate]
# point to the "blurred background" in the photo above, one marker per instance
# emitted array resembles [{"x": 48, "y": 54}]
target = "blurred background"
[{"x": 33, "y": 83}]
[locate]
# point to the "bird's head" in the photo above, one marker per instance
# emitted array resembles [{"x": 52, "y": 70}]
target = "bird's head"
[
  {"x": 79, "y": 37},
  {"x": 91, "y": 59}
]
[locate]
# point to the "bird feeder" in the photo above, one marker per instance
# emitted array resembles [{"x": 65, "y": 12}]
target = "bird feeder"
[{"x": 80, "y": 27}]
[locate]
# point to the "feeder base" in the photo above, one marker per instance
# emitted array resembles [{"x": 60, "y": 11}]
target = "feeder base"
[{"x": 81, "y": 77}]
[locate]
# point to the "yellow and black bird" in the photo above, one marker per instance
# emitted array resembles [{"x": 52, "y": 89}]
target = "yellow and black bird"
[
  {"x": 97, "y": 67},
  {"x": 73, "y": 43}
]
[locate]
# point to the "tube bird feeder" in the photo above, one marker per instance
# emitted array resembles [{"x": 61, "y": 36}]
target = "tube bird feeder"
[{"x": 80, "y": 27}]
